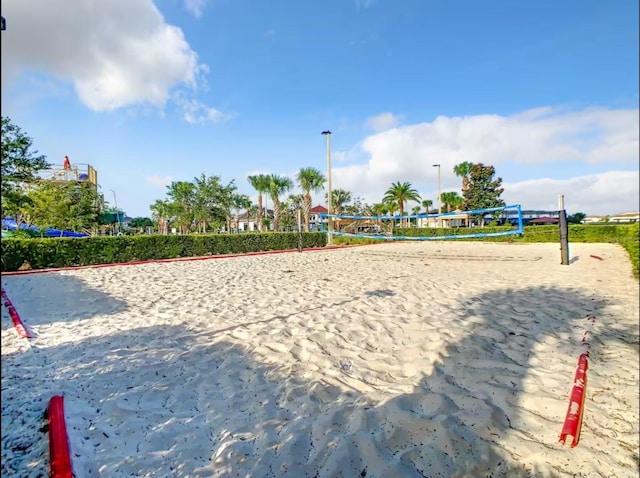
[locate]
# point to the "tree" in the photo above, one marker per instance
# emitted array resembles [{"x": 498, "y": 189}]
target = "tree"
[
  {"x": 240, "y": 201},
  {"x": 260, "y": 182},
  {"x": 309, "y": 180},
  {"x": 140, "y": 222},
  {"x": 576, "y": 218},
  {"x": 20, "y": 166},
  {"x": 278, "y": 185},
  {"x": 160, "y": 212},
  {"x": 209, "y": 201},
  {"x": 463, "y": 170},
  {"x": 451, "y": 200},
  {"x": 483, "y": 190},
  {"x": 426, "y": 204},
  {"x": 401, "y": 193},
  {"x": 182, "y": 195},
  {"x": 71, "y": 206}
]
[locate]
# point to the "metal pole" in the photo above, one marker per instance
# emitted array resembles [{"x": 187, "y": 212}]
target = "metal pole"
[
  {"x": 439, "y": 192},
  {"x": 115, "y": 201},
  {"x": 299, "y": 230},
  {"x": 564, "y": 232},
  {"x": 329, "y": 199}
]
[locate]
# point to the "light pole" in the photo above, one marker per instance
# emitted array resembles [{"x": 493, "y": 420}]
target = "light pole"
[
  {"x": 330, "y": 225},
  {"x": 439, "y": 190},
  {"x": 115, "y": 201}
]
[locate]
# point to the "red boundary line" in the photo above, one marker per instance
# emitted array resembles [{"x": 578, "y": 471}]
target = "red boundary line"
[
  {"x": 15, "y": 317},
  {"x": 60, "y": 459},
  {"x": 179, "y": 259}
]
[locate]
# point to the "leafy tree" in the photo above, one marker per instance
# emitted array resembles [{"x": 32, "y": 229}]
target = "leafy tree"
[
  {"x": 483, "y": 190},
  {"x": 310, "y": 180},
  {"x": 209, "y": 201},
  {"x": 251, "y": 213},
  {"x": 182, "y": 195},
  {"x": 576, "y": 218},
  {"x": 451, "y": 200},
  {"x": 20, "y": 166},
  {"x": 260, "y": 182},
  {"x": 278, "y": 185},
  {"x": 140, "y": 222},
  {"x": 426, "y": 204},
  {"x": 71, "y": 206}
]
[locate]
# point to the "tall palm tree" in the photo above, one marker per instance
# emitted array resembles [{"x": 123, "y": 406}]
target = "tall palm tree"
[
  {"x": 463, "y": 170},
  {"x": 426, "y": 204},
  {"x": 401, "y": 193},
  {"x": 260, "y": 182},
  {"x": 278, "y": 185},
  {"x": 310, "y": 180},
  {"x": 451, "y": 200}
]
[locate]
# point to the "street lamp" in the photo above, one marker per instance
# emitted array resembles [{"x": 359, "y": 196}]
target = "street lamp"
[
  {"x": 330, "y": 225},
  {"x": 115, "y": 201},
  {"x": 439, "y": 190}
]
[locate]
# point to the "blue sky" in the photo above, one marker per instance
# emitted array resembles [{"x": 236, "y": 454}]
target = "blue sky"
[{"x": 149, "y": 92}]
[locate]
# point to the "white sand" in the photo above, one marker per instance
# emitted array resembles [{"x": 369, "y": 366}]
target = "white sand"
[{"x": 411, "y": 359}]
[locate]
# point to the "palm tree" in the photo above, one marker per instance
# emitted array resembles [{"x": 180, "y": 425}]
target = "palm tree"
[
  {"x": 160, "y": 213},
  {"x": 451, "y": 200},
  {"x": 463, "y": 170},
  {"x": 278, "y": 185},
  {"x": 260, "y": 182},
  {"x": 296, "y": 202},
  {"x": 401, "y": 193},
  {"x": 240, "y": 201},
  {"x": 309, "y": 180},
  {"x": 339, "y": 199},
  {"x": 252, "y": 211},
  {"x": 426, "y": 204}
]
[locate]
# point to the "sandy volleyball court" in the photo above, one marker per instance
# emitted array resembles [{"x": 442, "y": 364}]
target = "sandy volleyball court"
[{"x": 405, "y": 359}]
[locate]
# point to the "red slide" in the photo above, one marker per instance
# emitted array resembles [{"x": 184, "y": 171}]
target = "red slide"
[{"x": 58, "y": 440}]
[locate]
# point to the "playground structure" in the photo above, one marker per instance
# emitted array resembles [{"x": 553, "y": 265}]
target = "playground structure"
[{"x": 76, "y": 172}]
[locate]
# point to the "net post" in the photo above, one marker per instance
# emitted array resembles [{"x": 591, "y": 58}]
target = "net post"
[
  {"x": 299, "y": 230},
  {"x": 564, "y": 232},
  {"x": 520, "y": 225}
]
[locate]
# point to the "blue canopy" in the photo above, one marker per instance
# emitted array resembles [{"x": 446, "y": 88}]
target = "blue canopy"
[{"x": 11, "y": 225}]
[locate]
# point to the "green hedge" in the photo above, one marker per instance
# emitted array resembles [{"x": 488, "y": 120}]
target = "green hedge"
[{"x": 66, "y": 252}]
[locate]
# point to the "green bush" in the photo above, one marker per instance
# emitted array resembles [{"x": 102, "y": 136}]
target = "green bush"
[{"x": 67, "y": 252}]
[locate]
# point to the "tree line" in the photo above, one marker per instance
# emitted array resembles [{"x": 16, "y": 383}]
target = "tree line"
[{"x": 208, "y": 204}]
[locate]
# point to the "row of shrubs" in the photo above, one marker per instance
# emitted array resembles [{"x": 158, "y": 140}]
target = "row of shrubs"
[{"x": 67, "y": 252}]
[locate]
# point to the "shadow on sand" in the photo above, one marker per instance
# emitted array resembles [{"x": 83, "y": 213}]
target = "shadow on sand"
[{"x": 158, "y": 401}]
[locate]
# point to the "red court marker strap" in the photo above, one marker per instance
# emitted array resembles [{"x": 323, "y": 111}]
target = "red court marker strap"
[
  {"x": 573, "y": 420},
  {"x": 179, "y": 259},
  {"x": 596, "y": 257},
  {"x": 58, "y": 440},
  {"x": 15, "y": 317}
]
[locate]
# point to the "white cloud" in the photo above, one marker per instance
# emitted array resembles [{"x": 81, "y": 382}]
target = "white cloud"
[
  {"x": 383, "y": 121},
  {"x": 196, "y": 112},
  {"x": 612, "y": 192},
  {"x": 159, "y": 181},
  {"x": 525, "y": 140},
  {"x": 364, "y": 3},
  {"x": 195, "y": 7},
  {"x": 116, "y": 53}
]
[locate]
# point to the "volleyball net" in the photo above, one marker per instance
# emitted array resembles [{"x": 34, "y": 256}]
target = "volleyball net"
[{"x": 458, "y": 225}]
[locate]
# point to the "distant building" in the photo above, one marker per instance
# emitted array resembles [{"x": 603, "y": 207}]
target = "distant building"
[
  {"x": 627, "y": 217},
  {"x": 315, "y": 222}
]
